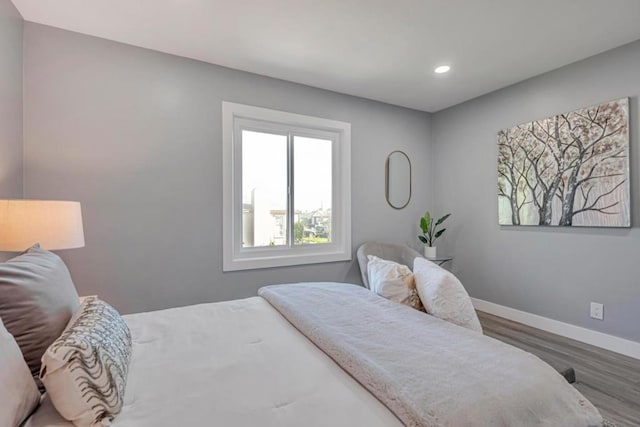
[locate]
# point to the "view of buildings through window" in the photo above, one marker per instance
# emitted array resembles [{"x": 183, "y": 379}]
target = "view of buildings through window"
[{"x": 265, "y": 178}]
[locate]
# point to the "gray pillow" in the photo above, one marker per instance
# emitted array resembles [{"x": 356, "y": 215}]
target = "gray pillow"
[
  {"x": 37, "y": 299},
  {"x": 18, "y": 393}
]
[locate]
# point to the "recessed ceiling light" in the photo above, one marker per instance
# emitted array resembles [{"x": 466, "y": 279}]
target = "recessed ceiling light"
[{"x": 441, "y": 69}]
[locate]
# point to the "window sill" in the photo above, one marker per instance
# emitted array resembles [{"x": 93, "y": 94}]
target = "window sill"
[{"x": 266, "y": 258}]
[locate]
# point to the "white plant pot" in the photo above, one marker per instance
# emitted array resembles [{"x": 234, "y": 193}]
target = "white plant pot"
[{"x": 430, "y": 251}]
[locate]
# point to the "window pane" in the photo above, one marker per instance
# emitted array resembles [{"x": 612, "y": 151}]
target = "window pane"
[
  {"x": 312, "y": 190},
  {"x": 264, "y": 189}
]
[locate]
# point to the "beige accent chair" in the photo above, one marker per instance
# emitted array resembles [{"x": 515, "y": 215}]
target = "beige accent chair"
[{"x": 401, "y": 254}]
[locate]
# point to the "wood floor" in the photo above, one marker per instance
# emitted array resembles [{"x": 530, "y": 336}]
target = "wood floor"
[{"x": 609, "y": 380}]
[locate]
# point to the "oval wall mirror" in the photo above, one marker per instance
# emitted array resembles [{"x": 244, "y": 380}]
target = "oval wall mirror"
[{"x": 397, "y": 186}]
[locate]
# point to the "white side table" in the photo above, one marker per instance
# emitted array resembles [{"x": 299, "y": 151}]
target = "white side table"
[{"x": 441, "y": 259}]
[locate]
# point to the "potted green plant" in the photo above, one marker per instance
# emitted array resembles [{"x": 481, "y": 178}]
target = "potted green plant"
[{"x": 430, "y": 233}]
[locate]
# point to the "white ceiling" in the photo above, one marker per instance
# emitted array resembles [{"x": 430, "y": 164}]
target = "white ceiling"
[{"x": 378, "y": 49}]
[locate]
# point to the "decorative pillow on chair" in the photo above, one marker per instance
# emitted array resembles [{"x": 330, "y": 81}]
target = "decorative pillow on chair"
[
  {"x": 443, "y": 295},
  {"x": 393, "y": 281},
  {"x": 37, "y": 299},
  {"x": 18, "y": 392},
  {"x": 85, "y": 370}
]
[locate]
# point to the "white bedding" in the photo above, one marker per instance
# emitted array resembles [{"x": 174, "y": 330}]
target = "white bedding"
[{"x": 236, "y": 363}]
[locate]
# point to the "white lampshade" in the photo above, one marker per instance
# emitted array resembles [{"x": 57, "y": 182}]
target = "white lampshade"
[{"x": 54, "y": 224}]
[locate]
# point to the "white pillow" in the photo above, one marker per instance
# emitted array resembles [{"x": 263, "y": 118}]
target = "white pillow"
[
  {"x": 85, "y": 369},
  {"x": 443, "y": 295},
  {"x": 393, "y": 281}
]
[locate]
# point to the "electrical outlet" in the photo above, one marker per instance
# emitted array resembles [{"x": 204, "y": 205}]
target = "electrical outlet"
[{"x": 597, "y": 311}]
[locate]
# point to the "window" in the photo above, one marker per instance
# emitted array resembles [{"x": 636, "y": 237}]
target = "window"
[{"x": 286, "y": 190}]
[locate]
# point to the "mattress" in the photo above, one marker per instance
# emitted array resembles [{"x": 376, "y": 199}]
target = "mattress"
[{"x": 235, "y": 363}]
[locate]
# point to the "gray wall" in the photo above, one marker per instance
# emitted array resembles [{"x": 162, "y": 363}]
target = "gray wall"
[
  {"x": 10, "y": 101},
  {"x": 135, "y": 135},
  {"x": 551, "y": 272}
]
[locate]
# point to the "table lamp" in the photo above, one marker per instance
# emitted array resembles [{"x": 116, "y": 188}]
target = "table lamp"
[{"x": 52, "y": 223}]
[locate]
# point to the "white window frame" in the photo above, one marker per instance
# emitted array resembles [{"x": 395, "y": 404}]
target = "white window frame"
[{"x": 236, "y": 117}]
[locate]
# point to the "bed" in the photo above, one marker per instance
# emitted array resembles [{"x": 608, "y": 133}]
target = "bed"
[
  {"x": 313, "y": 354},
  {"x": 293, "y": 357}
]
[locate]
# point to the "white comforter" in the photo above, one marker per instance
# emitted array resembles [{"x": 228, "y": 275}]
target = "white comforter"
[{"x": 236, "y": 363}]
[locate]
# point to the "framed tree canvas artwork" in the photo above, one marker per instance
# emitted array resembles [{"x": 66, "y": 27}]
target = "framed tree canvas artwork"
[{"x": 570, "y": 169}]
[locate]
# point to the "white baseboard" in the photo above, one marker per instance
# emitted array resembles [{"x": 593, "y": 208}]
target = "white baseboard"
[{"x": 598, "y": 339}]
